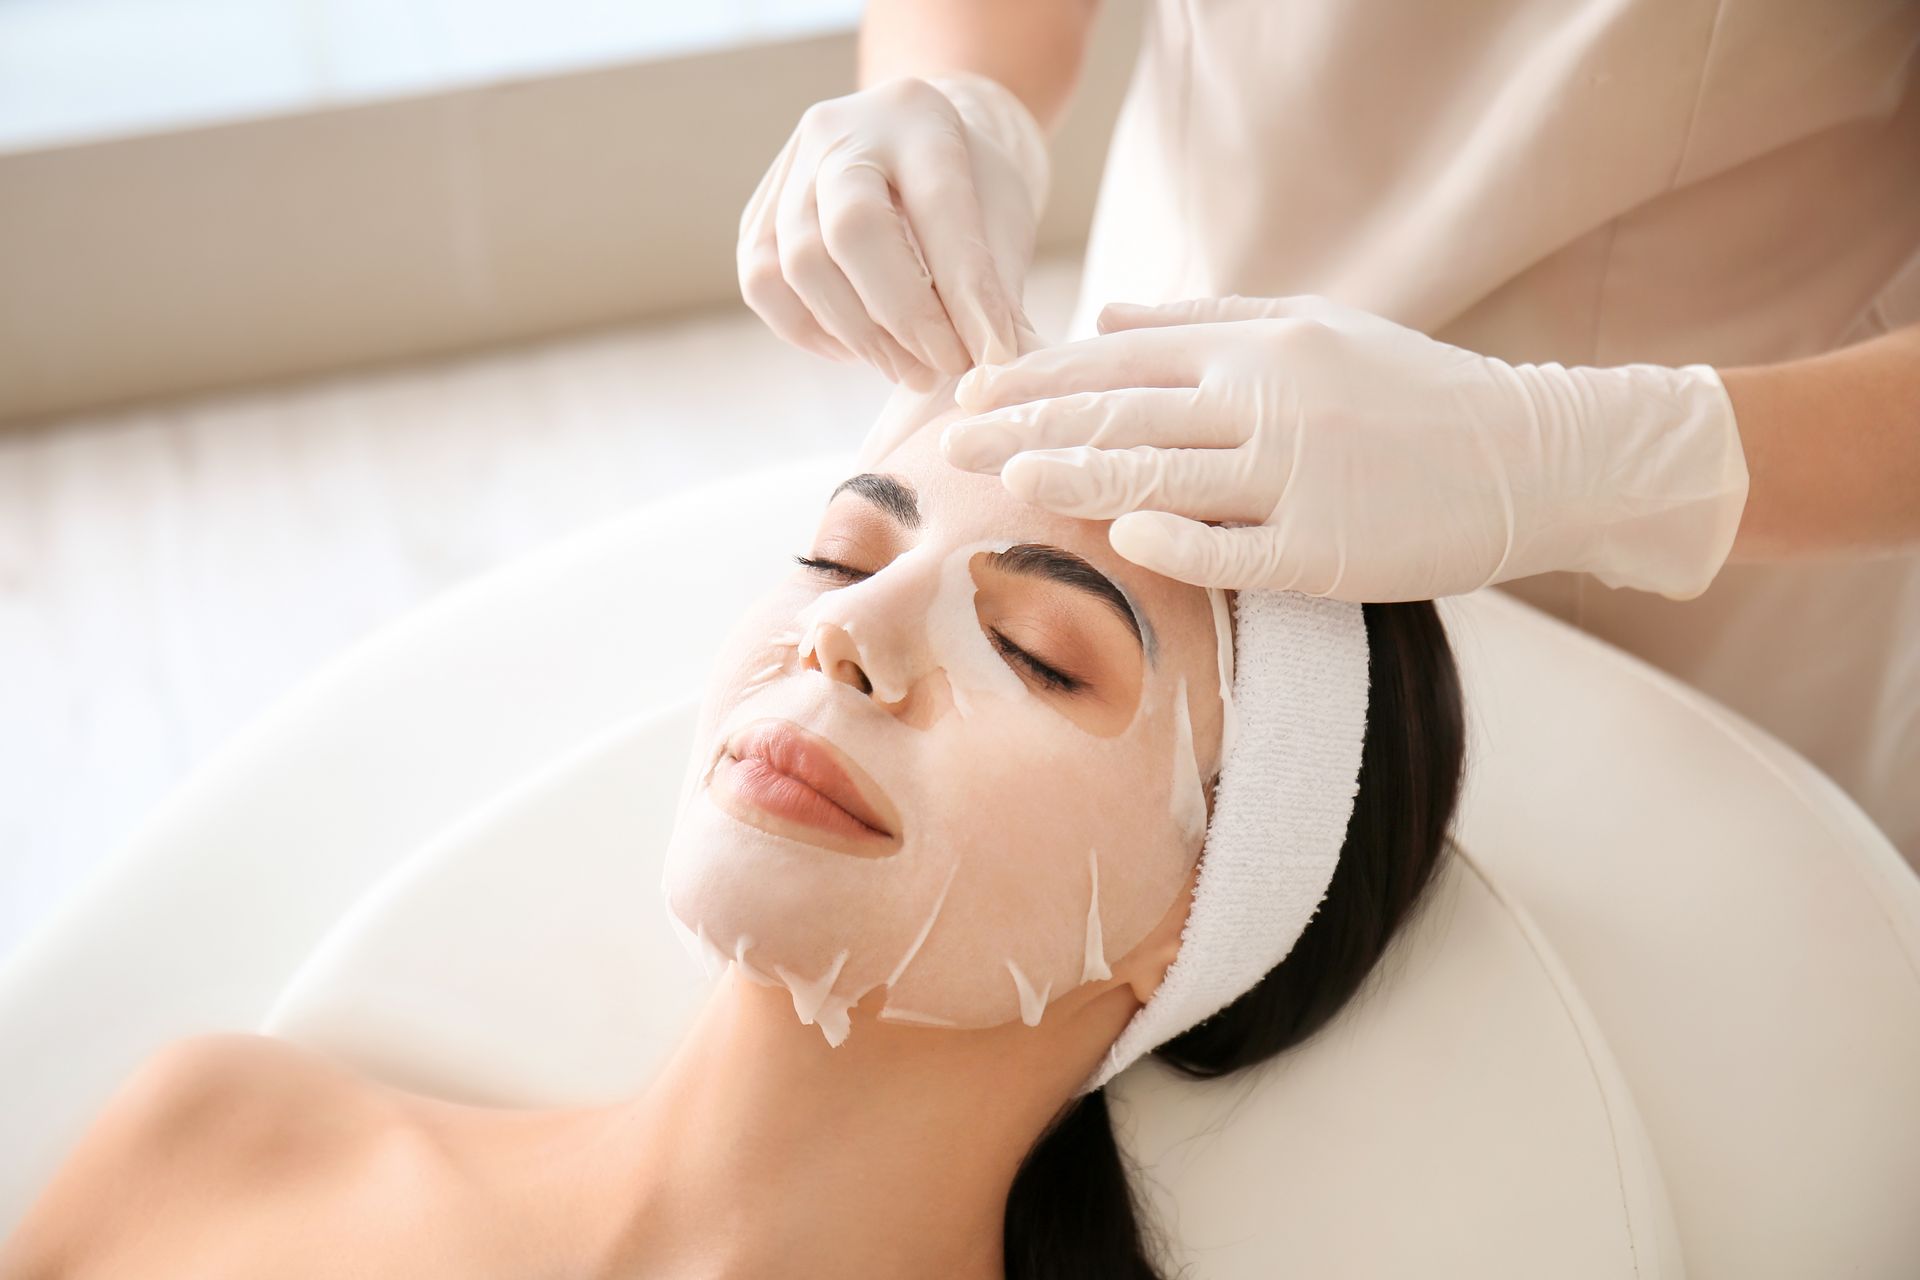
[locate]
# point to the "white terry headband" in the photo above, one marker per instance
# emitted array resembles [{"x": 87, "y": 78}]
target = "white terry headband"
[{"x": 1290, "y": 772}]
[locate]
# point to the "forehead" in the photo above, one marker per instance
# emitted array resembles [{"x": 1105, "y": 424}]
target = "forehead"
[{"x": 960, "y": 506}]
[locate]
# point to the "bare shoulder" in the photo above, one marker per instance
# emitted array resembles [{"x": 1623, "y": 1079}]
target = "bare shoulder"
[
  {"x": 200, "y": 1116},
  {"x": 232, "y": 1100},
  {"x": 222, "y": 1076}
]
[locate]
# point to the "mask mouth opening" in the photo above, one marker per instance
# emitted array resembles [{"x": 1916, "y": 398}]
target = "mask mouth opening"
[{"x": 820, "y": 765}]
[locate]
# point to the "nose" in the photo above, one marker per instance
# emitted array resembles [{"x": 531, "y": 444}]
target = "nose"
[
  {"x": 837, "y": 657},
  {"x": 872, "y": 635}
]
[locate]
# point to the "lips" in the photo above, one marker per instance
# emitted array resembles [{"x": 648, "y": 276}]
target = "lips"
[{"x": 814, "y": 762}]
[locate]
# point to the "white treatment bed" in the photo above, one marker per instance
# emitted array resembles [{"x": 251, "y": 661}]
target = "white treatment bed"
[{"x": 1662, "y": 1017}]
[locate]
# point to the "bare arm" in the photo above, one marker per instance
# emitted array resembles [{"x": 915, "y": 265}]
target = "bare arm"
[
  {"x": 1033, "y": 47},
  {"x": 1833, "y": 450}
]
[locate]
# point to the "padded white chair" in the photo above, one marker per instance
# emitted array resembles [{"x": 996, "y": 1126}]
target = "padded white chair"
[{"x": 1662, "y": 1017}]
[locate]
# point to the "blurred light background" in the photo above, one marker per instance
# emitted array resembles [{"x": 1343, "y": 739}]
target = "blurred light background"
[
  {"x": 313, "y": 309},
  {"x": 72, "y": 69}
]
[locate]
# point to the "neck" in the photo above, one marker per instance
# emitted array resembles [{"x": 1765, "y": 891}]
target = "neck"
[{"x": 761, "y": 1150}]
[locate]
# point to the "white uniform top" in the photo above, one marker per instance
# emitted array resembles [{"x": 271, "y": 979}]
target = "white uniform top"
[{"x": 1597, "y": 183}]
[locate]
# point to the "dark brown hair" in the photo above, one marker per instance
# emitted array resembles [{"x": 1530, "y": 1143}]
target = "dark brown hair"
[{"x": 1072, "y": 1212}]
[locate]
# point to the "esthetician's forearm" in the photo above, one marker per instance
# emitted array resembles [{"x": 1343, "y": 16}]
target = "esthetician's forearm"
[
  {"x": 1833, "y": 450},
  {"x": 1033, "y": 47}
]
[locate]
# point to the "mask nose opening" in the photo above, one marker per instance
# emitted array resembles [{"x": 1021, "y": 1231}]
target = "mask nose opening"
[{"x": 832, "y": 652}]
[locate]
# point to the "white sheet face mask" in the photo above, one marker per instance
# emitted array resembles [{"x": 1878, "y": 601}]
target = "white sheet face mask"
[{"x": 1033, "y": 843}]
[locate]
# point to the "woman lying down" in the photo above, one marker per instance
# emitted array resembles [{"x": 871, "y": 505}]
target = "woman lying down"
[{"x": 971, "y": 827}]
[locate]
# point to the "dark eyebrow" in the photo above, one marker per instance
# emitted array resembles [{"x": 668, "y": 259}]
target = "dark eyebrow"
[
  {"x": 890, "y": 493},
  {"x": 1034, "y": 559},
  {"x": 1038, "y": 560}
]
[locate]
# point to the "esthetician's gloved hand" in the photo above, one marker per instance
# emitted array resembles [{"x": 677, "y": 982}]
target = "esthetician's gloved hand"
[
  {"x": 1365, "y": 460},
  {"x": 897, "y": 226}
]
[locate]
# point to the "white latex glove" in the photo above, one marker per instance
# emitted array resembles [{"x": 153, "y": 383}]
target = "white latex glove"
[
  {"x": 897, "y": 226},
  {"x": 1363, "y": 459}
]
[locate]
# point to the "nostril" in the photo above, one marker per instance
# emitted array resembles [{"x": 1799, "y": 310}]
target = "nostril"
[
  {"x": 859, "y": 677},
  {"x": 834, "y": 654}
]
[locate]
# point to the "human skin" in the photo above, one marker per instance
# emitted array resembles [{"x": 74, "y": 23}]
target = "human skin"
[
  {"x": 757, "y": 1150},
  {"x": 974, "y": 917},
  {"x": 1833, "y": 451},
  {"x": 1033, "y": 47}
]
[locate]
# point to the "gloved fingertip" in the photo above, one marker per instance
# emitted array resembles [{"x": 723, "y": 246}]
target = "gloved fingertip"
[
  {"x": 1139, "y": 534},
  {"x": 971, "y": 391},
  {"x": 1163, "y": 543},
  {"x": 955, "y": 365},
  {"x": 1002, "y": 307},
  {"x": 1045, "y": 480},
  {"x": 978, "y": 446},
  {"x": 940, "y": 347},
  {"x": 1118, "y": 315}
]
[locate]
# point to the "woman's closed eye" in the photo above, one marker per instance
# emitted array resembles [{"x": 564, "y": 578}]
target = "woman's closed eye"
[
  {"x": 1049, "y": 676},
  {"x": 833, "y": 568}
]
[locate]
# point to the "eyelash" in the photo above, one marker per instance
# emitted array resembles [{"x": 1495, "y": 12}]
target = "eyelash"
[{"x": 1049, "y": 676}]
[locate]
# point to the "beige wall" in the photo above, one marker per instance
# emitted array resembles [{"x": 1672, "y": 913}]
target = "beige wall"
[{"x": 154, "y": 266}]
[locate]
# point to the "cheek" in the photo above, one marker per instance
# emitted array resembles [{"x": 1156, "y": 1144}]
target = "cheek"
[
  {"x": 1069, "y": 852},
  {"x": 1031, "y": 794},
  {"x": 1024, "y": 777},
  {"x": 754, "y": 654},
  {"x": 761, "y": 639}
]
